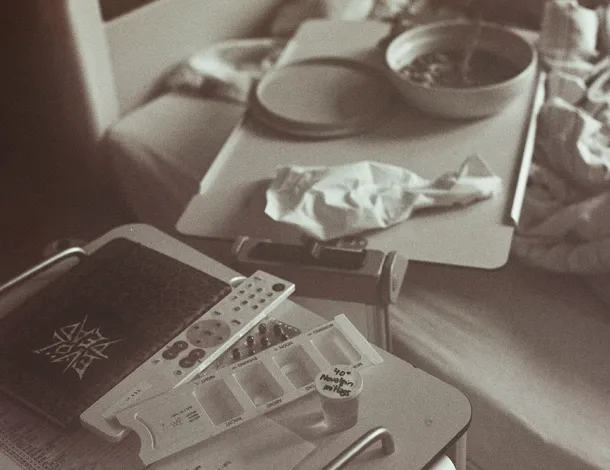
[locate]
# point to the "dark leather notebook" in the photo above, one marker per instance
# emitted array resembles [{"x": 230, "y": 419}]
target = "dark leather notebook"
[{"x": 69, "y": 344}]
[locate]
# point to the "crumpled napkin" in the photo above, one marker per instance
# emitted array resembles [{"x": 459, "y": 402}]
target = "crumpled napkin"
[{"x": 336, "y": 201}]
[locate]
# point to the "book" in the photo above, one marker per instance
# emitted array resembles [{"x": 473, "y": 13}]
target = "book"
[{"x": 69, "y": 344}]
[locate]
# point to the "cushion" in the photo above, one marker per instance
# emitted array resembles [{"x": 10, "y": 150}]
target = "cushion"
[{"x": 161, "y": 151}]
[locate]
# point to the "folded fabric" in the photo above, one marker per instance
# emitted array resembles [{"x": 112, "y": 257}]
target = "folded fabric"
[{"x": 337, "y": 201}]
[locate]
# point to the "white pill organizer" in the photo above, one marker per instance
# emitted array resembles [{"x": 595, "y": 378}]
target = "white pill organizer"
[{"x": 205, "y": 407}]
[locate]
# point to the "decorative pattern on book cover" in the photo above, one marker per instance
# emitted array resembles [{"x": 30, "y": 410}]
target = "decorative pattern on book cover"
[{"x": 66, "y": 346}]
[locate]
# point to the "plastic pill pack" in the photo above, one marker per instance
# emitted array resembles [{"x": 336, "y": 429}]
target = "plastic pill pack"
[{"x": 232, "y": 395}]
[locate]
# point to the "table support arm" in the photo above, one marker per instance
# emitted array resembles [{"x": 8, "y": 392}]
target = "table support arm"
[{"x": 359, "y": 445}]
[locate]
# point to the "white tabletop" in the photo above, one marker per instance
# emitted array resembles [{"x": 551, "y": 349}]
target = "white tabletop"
[{"x": 231, "y": 200}]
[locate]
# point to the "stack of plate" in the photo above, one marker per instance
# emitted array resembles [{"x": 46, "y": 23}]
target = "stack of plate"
[{"x": 322, "y": 98}]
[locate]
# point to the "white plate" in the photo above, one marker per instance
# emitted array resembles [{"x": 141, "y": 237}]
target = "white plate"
[{"x": 322, "y": 97}]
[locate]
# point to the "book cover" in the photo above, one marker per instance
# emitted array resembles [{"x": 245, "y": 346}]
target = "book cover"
[{"x": 66, "y": 346}]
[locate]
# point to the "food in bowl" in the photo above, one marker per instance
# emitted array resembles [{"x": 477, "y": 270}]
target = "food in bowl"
[
  {"x": 446, "y": 68},
  {"x": 426, "y": 65}
]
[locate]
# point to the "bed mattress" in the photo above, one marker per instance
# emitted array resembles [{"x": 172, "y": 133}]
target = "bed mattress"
[{"x": 530, "y": 349}]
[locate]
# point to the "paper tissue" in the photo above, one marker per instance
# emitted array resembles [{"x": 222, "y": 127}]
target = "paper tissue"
[{"x": 337, "y": 201}]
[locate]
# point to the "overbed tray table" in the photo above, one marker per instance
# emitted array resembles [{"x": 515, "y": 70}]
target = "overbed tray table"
[{"x": 231, "y": 199}]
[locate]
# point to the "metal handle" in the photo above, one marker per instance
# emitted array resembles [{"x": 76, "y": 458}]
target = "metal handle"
[
  {"x": 75, "y": 251},
  {"x": 358, "y": 446}
]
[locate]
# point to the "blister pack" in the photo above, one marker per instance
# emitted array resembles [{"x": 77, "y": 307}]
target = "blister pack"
[{"x": 205, "y": 407}]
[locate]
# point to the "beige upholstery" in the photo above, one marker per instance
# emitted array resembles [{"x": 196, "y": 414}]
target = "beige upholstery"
[{"x": 160, "y": 152}]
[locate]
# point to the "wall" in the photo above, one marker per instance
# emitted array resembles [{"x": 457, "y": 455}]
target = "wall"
[{"x": 43, "y": 192}]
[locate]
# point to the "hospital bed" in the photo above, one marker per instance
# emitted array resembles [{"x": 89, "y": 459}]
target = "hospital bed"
[{"x": 528, "y": 347}]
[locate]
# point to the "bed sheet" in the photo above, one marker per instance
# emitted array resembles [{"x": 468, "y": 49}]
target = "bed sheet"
[{"x": 530, "y": 349}]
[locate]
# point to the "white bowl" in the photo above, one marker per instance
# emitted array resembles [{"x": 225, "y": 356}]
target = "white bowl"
[{"x": 465, "y": 102}]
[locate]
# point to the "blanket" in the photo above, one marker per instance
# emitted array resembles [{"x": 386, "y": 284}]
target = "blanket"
[{"x": 565, "y": 224}]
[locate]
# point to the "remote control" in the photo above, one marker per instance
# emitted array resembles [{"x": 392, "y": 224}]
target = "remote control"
[{"x": 190, "y": 352}]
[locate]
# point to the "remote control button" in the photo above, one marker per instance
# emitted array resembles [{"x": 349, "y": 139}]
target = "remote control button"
[
  {"x": 265, "y": 343},
  {"x": 262, "y": 328},
  {"x": 278, "y": 287},
  {"x": 251, "y": 352},
  {"x": 208, "y": 333},
  {"x": 186, "y": 362},
  {"x": 180, "y": 345},
  {"x": 277, "y": 329},
  {"x": 196, "y": 353},
  {"x": 250, "y": 340},
  {"x": 236, "y": 353}
]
